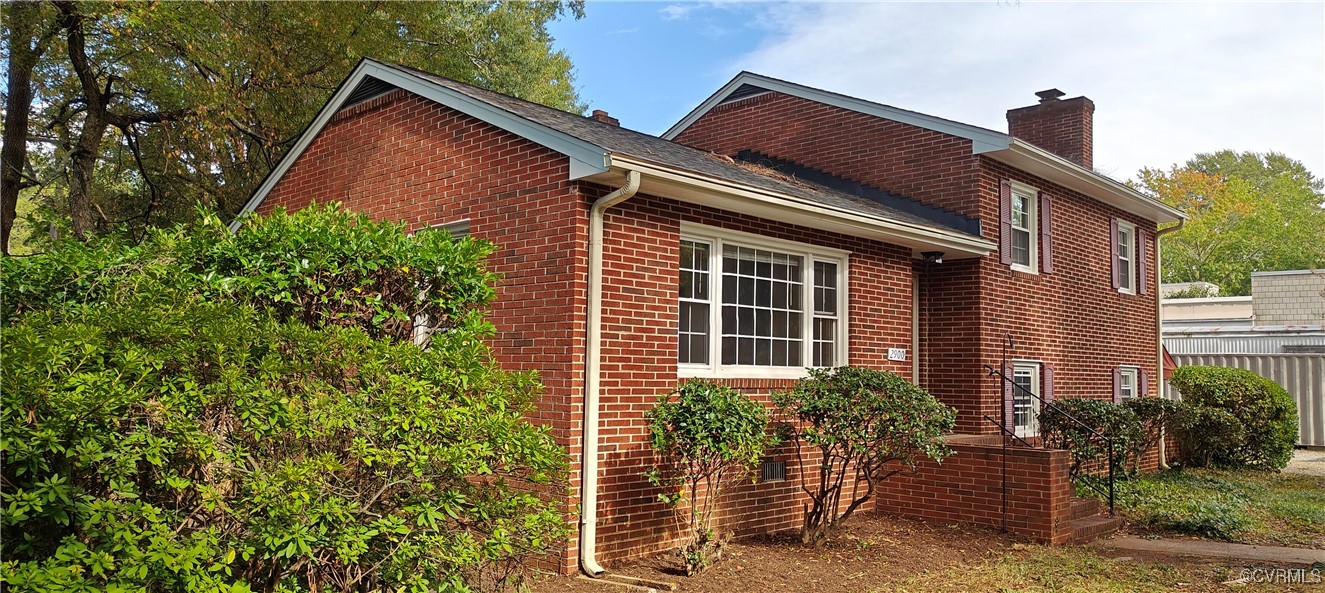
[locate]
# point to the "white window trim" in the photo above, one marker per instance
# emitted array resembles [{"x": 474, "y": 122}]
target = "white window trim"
[
  {"x": 1037, "y": 376},
  {"x": 1130, "y": 287},
  {"x": 1033, "y": 217},
  {"x": 716, "y": 237},
  {"x": 1126, "y": 372}
]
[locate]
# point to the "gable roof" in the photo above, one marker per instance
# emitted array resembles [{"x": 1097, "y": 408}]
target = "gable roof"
[
  {"x": 597, "y": 151},
  {"x": 997, "y": 145}
]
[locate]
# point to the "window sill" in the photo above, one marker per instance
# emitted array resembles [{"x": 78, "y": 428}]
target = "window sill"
[
  {"x": 741, "y": 372},
  {"x": 1024, "y": 269}
]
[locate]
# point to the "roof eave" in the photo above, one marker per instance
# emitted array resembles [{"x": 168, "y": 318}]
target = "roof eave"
[
  {"x": 736, "y": 197},
  {"x": 982, "y": 140},
  {"x": 585, "y": 158},
  {"x": 1042, "y": 163}
]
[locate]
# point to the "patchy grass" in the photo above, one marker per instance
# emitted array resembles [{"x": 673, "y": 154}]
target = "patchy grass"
[
  {"x": 1035, "y": 569},
  {"x": 1242, "y": 506}
]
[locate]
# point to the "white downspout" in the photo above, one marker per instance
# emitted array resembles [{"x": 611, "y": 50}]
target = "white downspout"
[
  {"x": 1159, "y": 331},
  {"x": 592, "y": 363}
]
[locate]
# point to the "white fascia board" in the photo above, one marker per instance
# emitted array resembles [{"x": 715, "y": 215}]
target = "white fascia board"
[
  {"x": 722, "y": 194},
  {"x": 982, "y": 140},
  {"x": 1042, "y": 163},
  {"x": 586, "y": 159}
]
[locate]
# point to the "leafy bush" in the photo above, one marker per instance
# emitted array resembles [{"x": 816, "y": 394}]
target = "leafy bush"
[
  {"x": 1157, "y": 416},
  {"x": 1208, "y": 436},
  {"x": 322, "y": 265},
  {"x": 1082, "y": 436},
  {"x": 1265, "y": 412},
  {"x": 709, "y": 437},
  {"x": 173, "y": 420},
  {"x": 866, "y": 424}
]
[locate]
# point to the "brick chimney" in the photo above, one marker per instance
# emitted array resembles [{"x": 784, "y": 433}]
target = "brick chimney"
[
  {"x": 602, "y": 116},
  {"x": 1060, "y": 126}
]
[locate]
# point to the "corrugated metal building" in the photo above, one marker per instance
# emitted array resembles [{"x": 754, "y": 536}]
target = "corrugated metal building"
[{"x": 1223, "y": 331}]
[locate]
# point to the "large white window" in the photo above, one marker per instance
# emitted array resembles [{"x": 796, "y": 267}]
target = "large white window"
[
  {"x": 1125, "y": 247},
  {"x": 1025, "y": 220},
  {"x": 757, "y": 307},
  {"x": 1025, "y": 407}
]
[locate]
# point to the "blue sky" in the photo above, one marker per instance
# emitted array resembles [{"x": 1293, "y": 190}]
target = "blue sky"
[{"x": 1168, "y": 80}]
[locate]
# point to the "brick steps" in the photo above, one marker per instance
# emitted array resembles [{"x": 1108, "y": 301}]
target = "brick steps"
[{"x": 1088, "y": 524}]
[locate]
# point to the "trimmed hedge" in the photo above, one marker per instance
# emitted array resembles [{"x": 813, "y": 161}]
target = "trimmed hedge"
[{"x": 1237, "y": 418}]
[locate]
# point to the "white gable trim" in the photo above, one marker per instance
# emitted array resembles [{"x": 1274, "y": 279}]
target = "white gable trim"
[
  {"x": 586, "y": 159},
  {"x": 982, "y": 140}
]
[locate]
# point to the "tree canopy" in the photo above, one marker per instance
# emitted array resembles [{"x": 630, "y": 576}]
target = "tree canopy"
[
  {"x": 1249, "y": 212},
  {"x": 135, "y": 112}
]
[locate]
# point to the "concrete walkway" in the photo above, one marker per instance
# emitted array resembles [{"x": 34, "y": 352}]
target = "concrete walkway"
[
  {"x": 1307, "y": 462},
  {"x": 1186, "y": 547}
]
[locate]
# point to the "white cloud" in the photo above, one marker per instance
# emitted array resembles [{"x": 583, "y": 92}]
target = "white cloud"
[
  {"x": 673, "y": 12},
  {"x": 1168, "y": 80}
]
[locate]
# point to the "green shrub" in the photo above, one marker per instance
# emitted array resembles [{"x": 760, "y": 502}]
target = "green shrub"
[
  {"x": 172, "y": 423},
  {"x": 1265, "y": 412},
  {"x": 709, "y": 437},
  {"x": 867, "y": 425},
  {"x": 1208, "y": 436},
  {"x": 1076, "y": 425}
]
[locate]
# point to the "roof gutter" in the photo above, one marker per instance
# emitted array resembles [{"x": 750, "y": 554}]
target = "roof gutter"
[
  {"x": 847, "y": 221},
  {"x": 1040, "y": 162},
  {"x": 1159, "y": 331},
  {"x": 592, "y": 371}
]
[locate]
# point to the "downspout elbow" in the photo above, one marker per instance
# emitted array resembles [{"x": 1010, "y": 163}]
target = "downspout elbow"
[{"x": 589, "y": 448}]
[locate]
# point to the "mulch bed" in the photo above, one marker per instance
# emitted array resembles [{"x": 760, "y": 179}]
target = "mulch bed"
[{"x": 869, "y": 551}]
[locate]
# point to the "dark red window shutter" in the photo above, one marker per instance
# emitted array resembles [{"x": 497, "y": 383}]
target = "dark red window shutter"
[
  {"x": 1047, "y": 389},
  {"x": 1142, "y": 286},
  {"x": 1117, "y": 385},
  {"x": 1113, "y": 252},
  {"x": 1046, "y": 234},
  {"x": 1009, "y": 411},
  {"x": 1144, "y": 378},
  {"x": 1005, "y": 221}
]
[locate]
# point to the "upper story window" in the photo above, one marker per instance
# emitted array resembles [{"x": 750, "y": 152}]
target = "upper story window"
[
  {"x": 1127, "y": 382},
  {"x": 757, "y": 307},
  {"x": 1026, "y": 228},
  {"x": 1125, "y": 256}
]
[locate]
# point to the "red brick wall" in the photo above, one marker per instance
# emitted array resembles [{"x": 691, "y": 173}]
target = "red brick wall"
[
  {"x": 932, "y": 167},
  {"x": 1072, "y": 319},
  {"x": 403, "y": 158},
  {"x": 968, "y": 488},
  {"x": 641, "y": 253}
]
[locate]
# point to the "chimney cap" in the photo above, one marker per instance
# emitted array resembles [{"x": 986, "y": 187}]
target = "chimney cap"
[{"x": 1049, "y": 95}]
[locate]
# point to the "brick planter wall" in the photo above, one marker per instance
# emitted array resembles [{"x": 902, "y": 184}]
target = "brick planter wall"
[{"x": 967, "y": 488}]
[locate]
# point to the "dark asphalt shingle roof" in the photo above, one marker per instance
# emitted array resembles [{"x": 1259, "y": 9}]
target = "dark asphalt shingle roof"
[{"x": 642, "y": 146}]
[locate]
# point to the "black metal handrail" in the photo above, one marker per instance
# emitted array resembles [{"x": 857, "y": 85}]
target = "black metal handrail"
[{"x": 1108, "y": 442}]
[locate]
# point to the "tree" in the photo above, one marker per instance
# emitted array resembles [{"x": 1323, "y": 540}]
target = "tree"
[
  {"x": 151, "y": 108},
  {"x": 864, "y": 424},
  {"x": 1248, "y": 212},
  {"x": 208, "y": 411}
]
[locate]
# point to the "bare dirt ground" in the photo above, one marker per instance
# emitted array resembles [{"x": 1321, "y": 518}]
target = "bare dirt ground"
[{"x": 877, "y": 553}]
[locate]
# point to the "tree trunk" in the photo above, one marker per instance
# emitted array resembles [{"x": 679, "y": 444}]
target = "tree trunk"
[
  {"x": 24, "y": 49},
  {"x": 82, "y": 166}
]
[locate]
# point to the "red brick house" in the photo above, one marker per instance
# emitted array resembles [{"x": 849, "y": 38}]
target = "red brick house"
[{"x": 775, "y": 227}]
